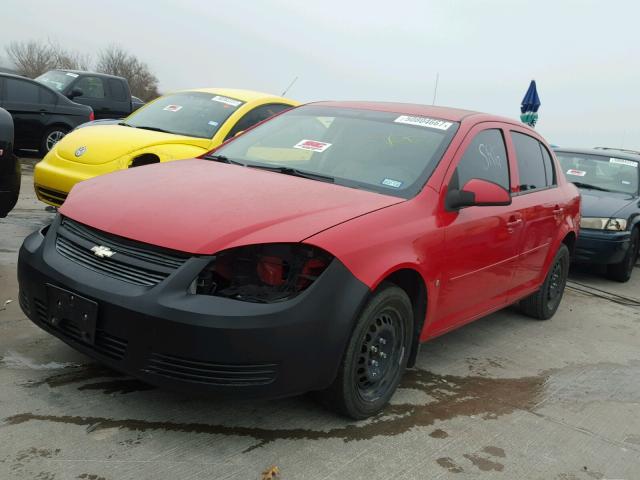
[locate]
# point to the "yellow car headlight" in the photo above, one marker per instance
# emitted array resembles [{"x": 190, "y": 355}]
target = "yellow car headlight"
[{"x": 595, "y": 223}]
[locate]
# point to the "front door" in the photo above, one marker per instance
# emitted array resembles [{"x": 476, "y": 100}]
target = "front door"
[{"x": 480, "y": 241}]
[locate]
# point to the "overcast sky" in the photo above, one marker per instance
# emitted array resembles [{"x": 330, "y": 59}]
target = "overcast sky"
[{"x": 584, "y": 55}]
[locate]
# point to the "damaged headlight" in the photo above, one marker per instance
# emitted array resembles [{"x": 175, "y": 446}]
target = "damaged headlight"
[
  {"x": 263, "y": 273},
  {"x": 595, "y": 223}
]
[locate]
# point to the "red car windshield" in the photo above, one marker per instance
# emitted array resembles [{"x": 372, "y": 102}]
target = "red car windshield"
[{"x": 384, "y": 152}]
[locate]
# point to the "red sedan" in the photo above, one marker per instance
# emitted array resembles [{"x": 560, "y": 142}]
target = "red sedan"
[{"x": 313, "y": 252}]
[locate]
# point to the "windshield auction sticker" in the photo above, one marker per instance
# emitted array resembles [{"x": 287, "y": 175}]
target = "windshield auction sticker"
[
  {"x": 423, "y": 122},
  {"x": 173, "y": 108},
  {"x": 620, "y": 161},
  {"x": 226, "y": 100},
  {"x": 576, "y": 173},
  {"x": 312, "y": 145}
]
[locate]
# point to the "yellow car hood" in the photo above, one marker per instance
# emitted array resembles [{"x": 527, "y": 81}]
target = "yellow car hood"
[{"x": 100, "y": 144}]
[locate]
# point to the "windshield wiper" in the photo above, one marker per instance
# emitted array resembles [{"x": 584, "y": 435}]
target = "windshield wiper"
[
  {"x": 295, "y": 172},
  {"x": 222, "y": 159},
  {"x": 590, "y": 187},
  {"x": 153, "y": 129},
  {"x": 125, "y": 124}
]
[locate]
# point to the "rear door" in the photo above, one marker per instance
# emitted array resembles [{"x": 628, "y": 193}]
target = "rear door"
[
  {"x": 540, "y": 203},
  {"x": 22, "y": 101},
  {"x": 119, "y": 98},
  {"x": 94, "y": 94},
  {"x": 481, "y": 242}
]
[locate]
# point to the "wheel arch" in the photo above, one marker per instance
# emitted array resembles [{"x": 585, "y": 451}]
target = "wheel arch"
[{"x": 414, "y": 285}]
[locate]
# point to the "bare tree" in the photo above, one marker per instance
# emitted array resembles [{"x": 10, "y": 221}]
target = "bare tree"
[
  {"x": 114, "y": 60},
  {"x": 30, "y": 58},
  {"x": 33, "y": 58}
]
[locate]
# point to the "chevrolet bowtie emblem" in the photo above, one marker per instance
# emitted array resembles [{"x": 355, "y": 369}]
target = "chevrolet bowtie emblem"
[{"x": 102, "y": 251}]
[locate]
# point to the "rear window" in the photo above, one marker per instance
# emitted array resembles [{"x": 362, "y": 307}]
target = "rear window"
[{"x": 195, "y": 114}]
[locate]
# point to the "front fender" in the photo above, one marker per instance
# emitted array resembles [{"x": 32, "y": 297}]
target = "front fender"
[{"x": 164, "y": 152}]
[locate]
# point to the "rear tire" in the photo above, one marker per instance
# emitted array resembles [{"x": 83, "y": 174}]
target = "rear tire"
[
  {"x": 621, "y": 272},
  {"x": 375, "y": 358},
  {"x": 52, "y": 136},
  {"x": 542, "y": 305}
]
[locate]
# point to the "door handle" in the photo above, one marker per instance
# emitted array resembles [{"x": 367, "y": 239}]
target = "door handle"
[{"x": 514, "y": 222}]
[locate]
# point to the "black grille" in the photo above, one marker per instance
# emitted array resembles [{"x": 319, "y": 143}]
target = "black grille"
[
  {"x": 211, "y": 373},
  {"x": 108, "y": 345},
  {"x": 51, "y": 196},
  {"x": 132, "y": 262},
  {"x": 105, "y": 343},
  {"x": 24, "y": 302},
  {"x": 41, "y": 309}
]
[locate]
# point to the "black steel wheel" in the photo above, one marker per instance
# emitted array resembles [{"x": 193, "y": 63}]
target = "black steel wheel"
[
  {"x": 376, "y": 355},
  {"x": 543, "y": 304}
]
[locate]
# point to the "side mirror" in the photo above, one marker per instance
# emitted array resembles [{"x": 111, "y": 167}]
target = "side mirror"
[
  {"x": 75, "y": 92},
  {"x": 479, "y": 193}
]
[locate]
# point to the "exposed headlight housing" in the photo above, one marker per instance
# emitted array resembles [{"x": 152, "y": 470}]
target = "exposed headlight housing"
[
  {"x": 595, "y": 223},
  {"x": 264, "y": 273}
]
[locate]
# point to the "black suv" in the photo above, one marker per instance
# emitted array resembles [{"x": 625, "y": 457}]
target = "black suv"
[
  {"x": 41, "y": 116},
  {"x": 109, "y": 96}
]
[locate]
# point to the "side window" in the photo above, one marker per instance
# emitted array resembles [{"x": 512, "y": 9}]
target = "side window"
[
  {"x": 92, "y": 87},
  {"x": 47, "y": 97},
  {"x": 549, "y": 171},
  {"x": 485, "y": 159},
  {"x": 256, "y": 115},
  {"x": 533, "y": 170},
  {"x": 21, "y": 91},
  {"x": 118, "y": 91}
]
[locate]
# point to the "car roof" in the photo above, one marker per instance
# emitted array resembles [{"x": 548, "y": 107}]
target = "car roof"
[
  {"x": 445, "y": 113},
  {"x": 237, "y": 93},
  {"x": 86, "y": 72},
  {"x": 603, "y": 152}
]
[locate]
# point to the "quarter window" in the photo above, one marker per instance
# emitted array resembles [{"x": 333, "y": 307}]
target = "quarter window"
[
  {"x": 484, "y": 159},
  {"x": 535, "y": 167},
  {"x": 92, "y": 87}
]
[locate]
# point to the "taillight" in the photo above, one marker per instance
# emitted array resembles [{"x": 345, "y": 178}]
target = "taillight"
[{"x": 92, "y": 117}]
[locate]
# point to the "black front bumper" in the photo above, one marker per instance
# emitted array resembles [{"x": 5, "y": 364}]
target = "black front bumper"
[
  {"x": 194, "y": 343},
  {"x": 601, "y": 247}
]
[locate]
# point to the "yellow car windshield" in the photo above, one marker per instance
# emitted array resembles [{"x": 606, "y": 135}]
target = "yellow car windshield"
[{"x": 194, "y": 114}]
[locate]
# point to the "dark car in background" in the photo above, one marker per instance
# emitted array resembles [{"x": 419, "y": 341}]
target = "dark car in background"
[
  {"x": 136, "y": 103},
  {"x": 41, "y": 116},
  {"x": 109, "y": 96},
  {"x": 9, "y": 166},
  {"x": 608, "y": 180}
]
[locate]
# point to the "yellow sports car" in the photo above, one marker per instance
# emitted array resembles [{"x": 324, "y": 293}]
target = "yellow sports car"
[{"x": 180, "y": 125}]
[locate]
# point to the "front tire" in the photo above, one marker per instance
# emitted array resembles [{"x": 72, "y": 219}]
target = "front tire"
[
  {"x": 52, "y": 136},
  {"x": 621, "y": 272},
  {"x": 376, "y": 356},
  {"x": 542, "y": 305}
]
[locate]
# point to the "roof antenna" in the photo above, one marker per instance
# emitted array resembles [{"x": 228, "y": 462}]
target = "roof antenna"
[
  {"x": 435, "y": 89},
  {"x": 290, "y": 85}
]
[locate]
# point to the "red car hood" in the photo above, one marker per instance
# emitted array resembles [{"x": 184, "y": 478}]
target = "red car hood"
[{"x": 202, "y": 207}]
